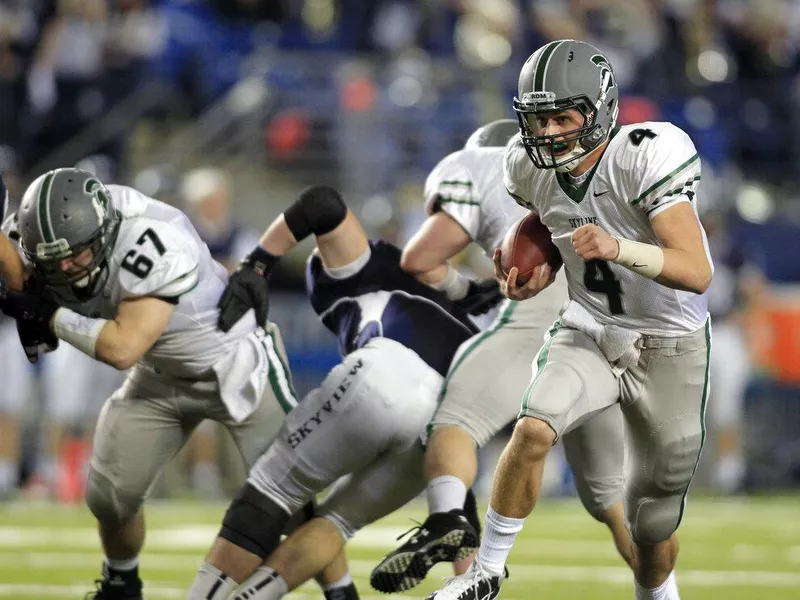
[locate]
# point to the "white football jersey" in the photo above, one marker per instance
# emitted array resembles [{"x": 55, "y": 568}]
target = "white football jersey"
[
  {"x": 158, "y": 253},
  {"x": 646, "y": 168}
]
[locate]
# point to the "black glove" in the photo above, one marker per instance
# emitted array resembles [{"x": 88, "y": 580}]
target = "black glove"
[
  {"x": 33, "y": 312},
  {"x": 34, "y": 340},
  {"x": 481, "y": 296},
  {"x": 247, "y": 288}
]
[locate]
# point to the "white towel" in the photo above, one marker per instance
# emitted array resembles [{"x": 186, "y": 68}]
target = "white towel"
[
  {"x": 242, "y": 375},
  {"x": 620, "y": 346}
]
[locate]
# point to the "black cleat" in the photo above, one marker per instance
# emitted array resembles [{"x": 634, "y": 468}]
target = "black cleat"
[
  {"x": 475, "y": 584},
  {"x": 443, "y": 537},
  {"x": 117, "y": 585}
]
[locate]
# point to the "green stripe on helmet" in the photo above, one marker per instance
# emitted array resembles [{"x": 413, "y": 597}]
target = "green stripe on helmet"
[
  {"x": 45, "y": 224},
  {"x": 541, "y": 66}
]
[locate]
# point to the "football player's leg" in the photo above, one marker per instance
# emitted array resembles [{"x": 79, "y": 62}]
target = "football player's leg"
[
  {"x": 364, "y": 406},
  {"x": 16, "y": 375},
  {"x": 139, "y": 430},
  {"x": 571, "y": 382},
  {"x": 663, "y": 401},
  {"x": 729, "y": 356},
  {"x": 354, "y": 502},
  {"x": 596, "y": 453}
]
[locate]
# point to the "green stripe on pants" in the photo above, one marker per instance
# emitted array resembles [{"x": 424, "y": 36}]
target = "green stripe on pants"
[{"x": 541, "y": 361}]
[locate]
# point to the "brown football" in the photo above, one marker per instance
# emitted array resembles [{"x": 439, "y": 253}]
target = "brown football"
[{"x": 526, "y": 246}]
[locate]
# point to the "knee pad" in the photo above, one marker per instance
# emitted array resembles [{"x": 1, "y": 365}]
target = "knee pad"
[
  {"x": 107, "y": 503},
  {"x": 653, "y": 520},
  {"x": 319, "y": 210},
  {"x": 254, "y": 522},
  {"x": 656, "y": 492}
]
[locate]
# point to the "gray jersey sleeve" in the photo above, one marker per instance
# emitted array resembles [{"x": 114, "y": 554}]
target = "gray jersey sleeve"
[
  {"x": 515, "y": 164},
  {"x": 662, "y": 167},
  {"x": 451, "y": 188}
]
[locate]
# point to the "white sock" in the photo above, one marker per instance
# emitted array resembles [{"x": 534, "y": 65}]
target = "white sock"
[
  {"x": 211, "y": 584},
  {"x": 672, "y": 587},
  {"x": 125, "y": 564},
  {"x": 445, "y": 493},
  {"x": 8, "y": 475},
  {"x": 666, "y": 591},
  {"x": 264, "y": 584},
  {"x": 343, "y": 582},
  {"x": 498, "y": 536}
]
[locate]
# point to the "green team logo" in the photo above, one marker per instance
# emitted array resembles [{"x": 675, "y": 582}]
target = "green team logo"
[
  {"x": 100, "y": 199},
  {"x": 607, "y": 79}
]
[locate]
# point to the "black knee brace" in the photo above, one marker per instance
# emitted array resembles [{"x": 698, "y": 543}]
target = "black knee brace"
[
  {"x": 254, "y": 522},
  {"x": 319, "y": 210}
]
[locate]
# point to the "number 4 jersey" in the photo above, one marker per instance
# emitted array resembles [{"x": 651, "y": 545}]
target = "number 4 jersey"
[{"x": 646, "y": 169}]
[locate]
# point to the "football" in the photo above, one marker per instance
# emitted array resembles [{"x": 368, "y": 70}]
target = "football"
[{"x": 526, "y": 246}]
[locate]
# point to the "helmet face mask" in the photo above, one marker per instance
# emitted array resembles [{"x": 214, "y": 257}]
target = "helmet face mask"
[
  {"x": 559, "y": 77},
  {"x": 66, "y": 214}
]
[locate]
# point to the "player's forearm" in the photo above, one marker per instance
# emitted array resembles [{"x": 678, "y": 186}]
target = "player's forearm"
[
  {"x": 671, "y": 267},
  {"x": 11, "y": 267},
  {"x": 432, "y": 277},
  {"x": 100, "y": 339},
  {"x": 278, "y": 238},
  {"x": 683, "y": 270}
]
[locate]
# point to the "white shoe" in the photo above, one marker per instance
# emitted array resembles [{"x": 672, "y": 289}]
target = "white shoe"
[{"x": 475, "y": 584}]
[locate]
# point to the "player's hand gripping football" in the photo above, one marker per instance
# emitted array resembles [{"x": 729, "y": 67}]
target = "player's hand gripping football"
[
  {"x": 543, "y": 275},
  {"x": 591, "y": 242},
  {"x": 247, "y": 288}
]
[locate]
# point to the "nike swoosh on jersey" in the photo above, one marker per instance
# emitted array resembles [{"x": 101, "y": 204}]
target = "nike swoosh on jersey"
[
  {"x": 596, "y": 194},
  {"x": 638, "y": 265}
]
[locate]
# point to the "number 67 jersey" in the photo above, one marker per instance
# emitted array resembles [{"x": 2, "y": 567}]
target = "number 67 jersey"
[
  {"x": 646, "y": 169},
  {"x": 158, "y": 253}
]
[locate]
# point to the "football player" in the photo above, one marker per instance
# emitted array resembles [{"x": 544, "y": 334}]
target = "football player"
[
  {"x": 362, "y": 426},
  {"x": 620, "y": 204},
  {"x": 466, "y": 202},
  {"x": 15, "y": 372},
  {"x": 125, "y": 279}
]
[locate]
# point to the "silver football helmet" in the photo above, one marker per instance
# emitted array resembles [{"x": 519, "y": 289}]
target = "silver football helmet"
[
  {"x": 559, "y": 76},
  {"x": 63, "y": 213},
  {"x": 497, "y": 133}
]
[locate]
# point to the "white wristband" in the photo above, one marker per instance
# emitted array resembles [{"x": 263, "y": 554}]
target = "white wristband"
[
  {"x": 454, "y": 284},
  {"x": 82, "y": 332},
  {"x": 645, "y": 259}
]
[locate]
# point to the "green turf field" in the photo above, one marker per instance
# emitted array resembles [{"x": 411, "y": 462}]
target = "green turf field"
[{"x": 740, "y": 550}]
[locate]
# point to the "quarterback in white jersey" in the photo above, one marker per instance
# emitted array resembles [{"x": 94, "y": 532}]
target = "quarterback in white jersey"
[
  {"x": 125, "y": 279},
  {"x": 646, "y": 169},
  {"x": 466, "y": 203},
  {"x": 620, "y": 205}
]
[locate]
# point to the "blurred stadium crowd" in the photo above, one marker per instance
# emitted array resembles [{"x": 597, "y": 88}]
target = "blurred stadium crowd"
[{"x": 368, "y": 95}]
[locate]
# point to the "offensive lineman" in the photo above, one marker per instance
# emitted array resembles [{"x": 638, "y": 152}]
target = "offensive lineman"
[
  {"x": 125, "y": 279},
  {"x": 619, "y": 203},
  {"x": 466, "y": 202},
  {"x": 362, "y": 426}
]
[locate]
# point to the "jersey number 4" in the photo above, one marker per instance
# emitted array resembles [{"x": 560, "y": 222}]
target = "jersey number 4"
[
  {"x": 139, "y": 264},
  {"x": 598, "y": 277}
]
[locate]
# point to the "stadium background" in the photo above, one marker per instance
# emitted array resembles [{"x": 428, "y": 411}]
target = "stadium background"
[{"x": 229, "y": 108}]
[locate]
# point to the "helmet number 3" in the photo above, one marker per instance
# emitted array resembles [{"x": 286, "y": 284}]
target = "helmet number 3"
[
  {"x": 139, "y": 264},
  {"x": 598, "y": 277}
]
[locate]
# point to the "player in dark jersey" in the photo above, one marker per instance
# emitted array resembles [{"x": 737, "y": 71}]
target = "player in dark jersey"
[
  {"x": 11, "y": 269},
  {"x": 361, "y": 428}
]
